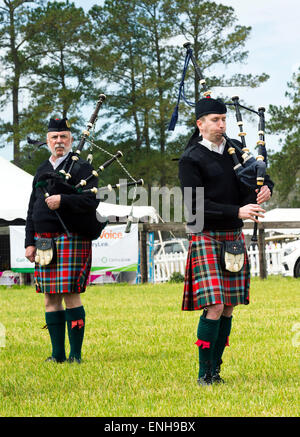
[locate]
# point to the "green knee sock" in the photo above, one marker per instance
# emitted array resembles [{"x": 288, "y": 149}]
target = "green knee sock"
[
  {"x": 56, "y": 326},
  {"x": 207, "y": 334},
  {"x": 76, "y": 322},
  {"x": 222, "y": 340}
]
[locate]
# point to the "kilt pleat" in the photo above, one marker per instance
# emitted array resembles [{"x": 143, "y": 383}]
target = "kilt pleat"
[
  {"x": 69, "y": 271},
  {"x": 206, "y": 283}
]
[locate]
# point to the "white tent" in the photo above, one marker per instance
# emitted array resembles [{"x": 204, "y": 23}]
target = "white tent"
[
  {"x": 280, "y": 215},
  {"x": 15, "y": 189},
  {"x": 109, "y": 209},
  {"x": 16, "y": 186}
]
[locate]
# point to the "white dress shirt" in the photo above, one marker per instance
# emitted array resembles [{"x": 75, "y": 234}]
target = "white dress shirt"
[
  {"x": 212, "y": 146},
  {"x": 58, "y": 161}
]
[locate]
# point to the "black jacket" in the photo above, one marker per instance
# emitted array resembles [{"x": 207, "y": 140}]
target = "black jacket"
[
  {"x": 77, "y": 210},
  {"x": 223, "y": 193}
]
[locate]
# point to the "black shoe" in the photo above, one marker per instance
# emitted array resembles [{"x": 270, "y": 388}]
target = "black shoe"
[
  {"x": 205, "y": 380},
  {"x": 216, "y": 378},
  {"x": 206, "y": 368},
  {"x": 54, "y": 360},
  {"x": 74, "y": 360}
]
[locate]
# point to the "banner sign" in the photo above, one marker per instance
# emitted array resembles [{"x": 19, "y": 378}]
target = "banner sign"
[
  {"x": 114, "y": 250},
  {"x": 18, "y": 262}
]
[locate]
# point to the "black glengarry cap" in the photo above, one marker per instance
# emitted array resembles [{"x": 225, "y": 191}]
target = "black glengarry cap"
[
  {"x": 58, "y": 125},
  {"x": 209, "y": 106}
]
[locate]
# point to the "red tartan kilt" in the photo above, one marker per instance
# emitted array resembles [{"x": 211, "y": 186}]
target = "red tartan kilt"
[
  {"x": 69, "y": 272},
  {"x": 206, "y": 283}
]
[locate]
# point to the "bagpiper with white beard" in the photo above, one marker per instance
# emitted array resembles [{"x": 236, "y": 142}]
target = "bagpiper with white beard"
[{"x": 59, "y": 228}]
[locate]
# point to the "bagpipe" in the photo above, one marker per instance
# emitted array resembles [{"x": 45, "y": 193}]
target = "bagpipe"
[
  {"x": 62, "y": 179},
  {"x": 251, "y": 172}
]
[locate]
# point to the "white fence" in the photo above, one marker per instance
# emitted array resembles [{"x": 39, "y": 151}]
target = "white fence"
[
  {"x": 273, "y": 259},
  {"x": 167, "y": 264}
]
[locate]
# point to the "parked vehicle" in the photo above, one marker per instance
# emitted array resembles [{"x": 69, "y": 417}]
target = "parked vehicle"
[
  {"x": 176, "y": 245},
  {"x": 291, "y": 259}
]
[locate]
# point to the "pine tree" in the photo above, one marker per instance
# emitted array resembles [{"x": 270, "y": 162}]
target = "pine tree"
[
  {"x": 217, "y": 40},
  {"x": 15, "y": 32},
  {"x": 141, "y": 67},
  {"x": 59, "y": 81},
  {"x": 285, "y": 164}
]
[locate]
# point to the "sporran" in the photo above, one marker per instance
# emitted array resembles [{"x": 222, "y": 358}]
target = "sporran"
[
  {"x": 232, "y": 255},
  {"x": 45, "y": 251}
]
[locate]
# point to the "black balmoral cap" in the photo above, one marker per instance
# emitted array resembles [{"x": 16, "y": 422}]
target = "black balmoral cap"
[
  {"x": 58, "y": 125},
  {"x": 210, "y": 106}
]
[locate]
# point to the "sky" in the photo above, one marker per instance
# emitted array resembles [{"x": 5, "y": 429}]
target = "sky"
[{"x": 273, "y": 49}]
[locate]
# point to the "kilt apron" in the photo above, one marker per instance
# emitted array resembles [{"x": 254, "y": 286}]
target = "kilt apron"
[
  {"x": 206, "y": 283},
  {"x": 71, "y": 267}
]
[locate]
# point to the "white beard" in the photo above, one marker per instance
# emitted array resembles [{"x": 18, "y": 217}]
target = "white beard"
[{"x": 61, "y": 146}]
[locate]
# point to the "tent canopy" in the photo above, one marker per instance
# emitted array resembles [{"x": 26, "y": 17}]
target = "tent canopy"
[
  {"x": 282, "y": 215},
  {"x": 279, "y": 215},
  {"x": 16, "y": 186},
  {"x": 109, "y": 209}
]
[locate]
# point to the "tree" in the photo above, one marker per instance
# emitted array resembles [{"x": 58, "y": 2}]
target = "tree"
[
  {"x": 15, "y": 33},
  {"x": 218, "y": 41},
  {"x": 285, "y": 165},
  {"x": 45, "y": 52},
  {"x": 60, "y": 81},
  {"x": 162, "y": 61},
  {"x": 117, "y": 58},
  {"x": 136, "y": 57},
  {"x": 138, "y": 68}
]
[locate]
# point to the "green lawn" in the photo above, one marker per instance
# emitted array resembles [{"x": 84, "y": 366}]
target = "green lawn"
[{"x": 139, "y": 357}]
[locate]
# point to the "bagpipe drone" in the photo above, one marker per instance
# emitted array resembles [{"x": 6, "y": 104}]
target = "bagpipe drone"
[
  {"x": 61, "y": 179},
  {"x": 251, "y": 172}
]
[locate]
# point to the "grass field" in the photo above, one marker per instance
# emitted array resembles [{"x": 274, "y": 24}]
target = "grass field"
[{"x": 139, "y": 357}]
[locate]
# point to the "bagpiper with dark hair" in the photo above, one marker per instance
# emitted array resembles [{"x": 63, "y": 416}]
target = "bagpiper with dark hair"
[
  {"x": 59, "y": 228},
  {"x": 209, "y": 284}
]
